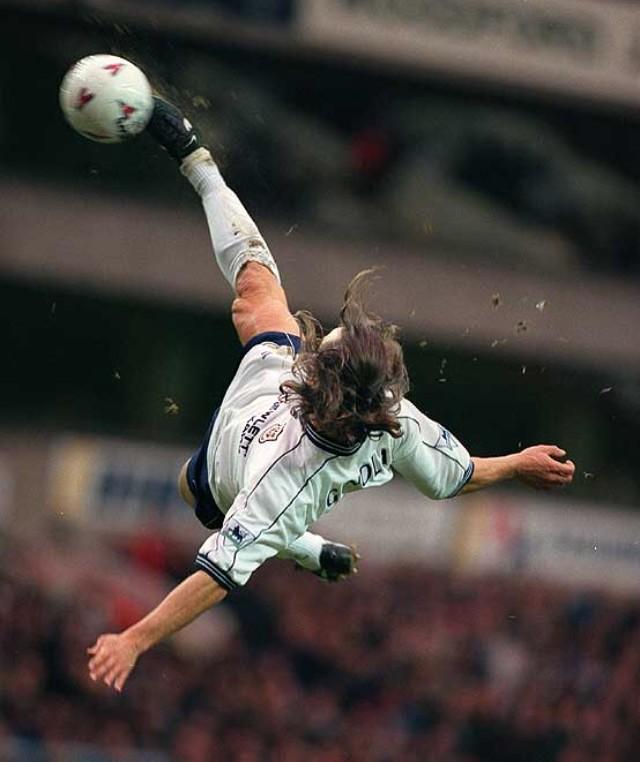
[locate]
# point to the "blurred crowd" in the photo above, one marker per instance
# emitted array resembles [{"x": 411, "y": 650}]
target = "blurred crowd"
[{"x": 398, "y": 665}]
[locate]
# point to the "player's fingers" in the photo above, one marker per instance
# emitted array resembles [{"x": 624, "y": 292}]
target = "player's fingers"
[
  {"x": 94, "y": 648},
  {"x": 562, "y": 469},
  {"x": 565, "y": 469},
  {"x": 100, "y": 655},
  {"x": 356, "y": 557},
  {"x": 121, "y": 680},
  {"x": 554, "y": 465},
  {"x": 106, "y": 668},
  {"x": 112, "y": 675},
  {"x": 544, "y": 481},
  {"x": 99, "y": 665},
  {"x": 100, "y": 672},
  {"x": 101, "y": 643},
  {"x": 554, "y": 451},
  {"x": 555, "y": 480}
]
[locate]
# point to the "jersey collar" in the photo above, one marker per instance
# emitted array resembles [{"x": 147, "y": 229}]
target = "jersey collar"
[{"x": 335, "y": 448}]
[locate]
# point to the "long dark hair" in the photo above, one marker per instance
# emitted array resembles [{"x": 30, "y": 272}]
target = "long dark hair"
[{"x": 353, "y": 386}]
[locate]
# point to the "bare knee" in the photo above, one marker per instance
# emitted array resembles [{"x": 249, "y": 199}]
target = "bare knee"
[
  {"x": 256, "y": 281},
  {"x": 260, "y": 305}
]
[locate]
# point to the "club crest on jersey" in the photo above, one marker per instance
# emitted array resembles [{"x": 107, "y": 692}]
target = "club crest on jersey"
[
  {"x": 272, "y": 433},
  {"x": 446, "y": 440},
  {"x": 239, "y": 535},
  {"x": 253, "y": 427}
]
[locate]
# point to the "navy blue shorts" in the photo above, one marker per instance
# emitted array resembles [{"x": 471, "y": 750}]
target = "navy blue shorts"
[{"x": 207, "y": 510}]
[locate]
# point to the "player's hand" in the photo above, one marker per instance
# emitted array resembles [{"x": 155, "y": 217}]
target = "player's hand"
[
  {"x": 544, "y": 467},
  {"x": 113, "y": 658}
]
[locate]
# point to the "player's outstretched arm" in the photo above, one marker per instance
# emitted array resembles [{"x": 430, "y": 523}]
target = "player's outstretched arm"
[
  {"x": 114, "y": 656},
  {"x": 542, "y": 467}
]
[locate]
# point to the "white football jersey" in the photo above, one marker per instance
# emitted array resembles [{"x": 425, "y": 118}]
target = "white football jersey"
[{"x": 273, "y": 477}]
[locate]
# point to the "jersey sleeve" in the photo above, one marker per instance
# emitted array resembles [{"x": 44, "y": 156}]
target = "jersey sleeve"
[
  {"x": 263, "y": 520},
  {"x": 429, "y": 456}
]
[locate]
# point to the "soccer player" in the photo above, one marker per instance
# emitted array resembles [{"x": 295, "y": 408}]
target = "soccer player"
[{"x": 306, "y": 420}]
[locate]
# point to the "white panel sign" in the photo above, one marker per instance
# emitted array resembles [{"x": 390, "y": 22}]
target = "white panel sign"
[
  {"x": 567, "y": 543},
  {"x": 584, "y": 47},
  {"x": 117, "y": 485}
]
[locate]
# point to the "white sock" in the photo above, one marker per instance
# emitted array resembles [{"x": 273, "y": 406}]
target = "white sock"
[
  {"x": 305, "y": 550},
  {"x": 235, "y": 236}
]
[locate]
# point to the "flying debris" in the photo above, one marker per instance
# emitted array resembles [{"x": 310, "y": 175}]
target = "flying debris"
[
  {"x": 199, "y": 101},
  {"x": 171, "y": 407}
]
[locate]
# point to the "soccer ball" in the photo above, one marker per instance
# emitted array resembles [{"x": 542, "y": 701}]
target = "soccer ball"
[{"x": 106, "y": 98}]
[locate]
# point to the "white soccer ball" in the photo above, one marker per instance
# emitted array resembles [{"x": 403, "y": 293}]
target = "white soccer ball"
[{"x": 106, "y": 98}]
